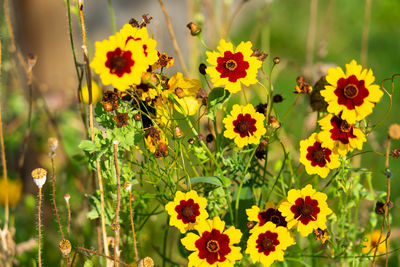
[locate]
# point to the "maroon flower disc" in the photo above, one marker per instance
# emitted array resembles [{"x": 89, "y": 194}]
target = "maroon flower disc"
[
  {"x": 318, "y": 155},
  {"x": 244, "y": 125},
  {"x": 305, "y": 210},
  {"x": 351, "y": 92},
  {"x": 187, "y": 211},
  {"x": 232, "y": 66},
  {"x": 272, "y": 215},
  {"x": 119, "y": 62},
  {"x": 213, "y": 246},
  {"x": 341, "y": 131},
  {"x": 267, "y": 242}
]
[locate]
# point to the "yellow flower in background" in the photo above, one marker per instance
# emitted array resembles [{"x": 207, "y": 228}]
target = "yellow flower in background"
[
  {"x": 305, "y": 210},
  {"x": 214, "y": 246},
  {"x": 14, "y": 189},
  {"x": 340, "y": 136},
  {"x": 270, "y": 213},
  {"x": 146, "y": 90},
  {"x": 267, "y": 243},
  {"x": 244, "y": 125},
  {"x": 369, "y": 246},
  {"x": 121, "y": 60},
  {"x": 351, "y": 93},
  {"x": 97, "y": 93},
  {"x": 233, "y": 67},
  {"x": 184, "y": 91},
  {"x": 156, "y": 142},
  {"x": 187, "y": 210},
  {"x": 317, "y": 158}
]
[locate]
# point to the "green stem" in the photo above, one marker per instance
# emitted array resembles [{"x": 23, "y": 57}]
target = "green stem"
[
  {"x": 112, "y": 16},
  {"x": 71, "y": 39}
]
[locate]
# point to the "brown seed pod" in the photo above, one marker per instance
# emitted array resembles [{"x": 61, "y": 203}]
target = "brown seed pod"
[
  {"x": 194, "y": 28},
  {"x": 65, "y": 247}
]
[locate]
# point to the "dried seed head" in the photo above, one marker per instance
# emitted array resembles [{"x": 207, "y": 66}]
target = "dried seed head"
[
  {"x": 65, "y": 247},
  {"x": 202, "y": 68},
  {"x": 121, "y": 119},
  {"x": 194, "y": 28},
  {"x": 67, "y": 197},
  {"x": 302, "y": 86},
  {"x": 260, "y": 55},
  {"x": 115, "y": 226},
  {"x": 39, "y": 176},
  {"x": 178, "y": 132},
  {"x": 321, "y": 235},
  {"x": 380, "y": 208},
  {"x": 53, "y": 143},
  {"x": 277, "y": 60},
  {"x": 146, "y": 262},
  {"x": 396, "y": 153},
  {"x": 394, "y": 131},
  {"x": 127, "y": 186}
]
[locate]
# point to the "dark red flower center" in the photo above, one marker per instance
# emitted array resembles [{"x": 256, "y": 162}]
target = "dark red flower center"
[
  {"x": 272, "y": 215},
  {"x": 305, "y": 210},
  {"x": 244, "y": 125},
  {"x": 213, "y": 246},
  {"x": 341, "y": 130},
  {"x": 318, "y": 155},
  {"x": 351, "y": 92},
  {"x": 144, "y": 87},
  {"x": 232, "y": 66},
  {"x": 267, "y": 242},
  {"x": 187, "y": 211},
  {"x": 119, "y": 62}
]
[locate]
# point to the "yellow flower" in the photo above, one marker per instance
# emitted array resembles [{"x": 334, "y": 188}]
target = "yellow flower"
[
  {"x": 121, "y": 59},
  {"x": 214, "y": 246},
  {"x": 351, "y": 93},
  {"x": 316, "y": 157},
  {"x": 184, "y": 91},
  {"x": 244, "y": 125},
  {"x": 187, "y": 210},
  {"x": 97, "y": 93},
  {"x": 14, "y": 188},
  {"x": 269, "y": 214},
  {"x": 369, "y": 246},
  {"x": 267, "y": 243},
  {"x": 340, "y": 136},
  {"x": 231, "y": 68},
  {"x": 305, "y": 209}
]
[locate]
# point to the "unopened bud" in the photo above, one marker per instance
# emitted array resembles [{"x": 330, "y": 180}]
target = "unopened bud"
[
  {"x": 65, "y": 247},
  {"x": 194, "y": 28},
  {"x": 179, "y": 92},
  {"x": 250, "y": 225},
  {"x": 53, "y": 143},
  {"x": 146, "y": 262},
  {"x": 178, "y": 132},
  {"x": 32, "y": 59},
  {"x": 67, "y": 197},
  {"x": 380, "y": 208},
  {"x": 137, "y": 117},
  {"x": 277, "y": 98},
  {"x": 202, "y": 68},
  {"x": 191, "y": 141},
  {"x": 39, "y": 176},
  {"x": 396, "y": 153},
  {"x": 127, "y": 186},
  {"x": 277, "y": 60},
  {"x": 274, "y": 122},
  {"x": 115, "y": 226}
]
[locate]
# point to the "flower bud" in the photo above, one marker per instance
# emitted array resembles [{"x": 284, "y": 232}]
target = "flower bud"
[
  {"x": 194, "y": 28},
  {"x": 277, "y": 60},
  {"x": 178, "y": 132},
  {"x": 277, "y": 98},
  {"x": 39, "y": 176},
  {"x": 137, "y": 117},
  {"x": 396, "y": 153},
  {"x": 65, "y": 247},
  {"x": 202, "y": 68},
  {"x": 274, "y": 122},
  {"x": 67, "y": 197},
  {"x": 146, "y": 262},
  {"x": 115, "y": 226},
  {"x": 179, "y": 92},
  {"x": 209, "y": 138},
  {"x": 53, "y": 143}
]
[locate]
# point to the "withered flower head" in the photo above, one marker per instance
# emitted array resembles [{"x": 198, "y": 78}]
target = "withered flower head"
[
  {"x": 202, "y": 94},
  {"x": 396, "y": 153},
  {"x": 145, "y": 20},
  {"x": 110, "y": 101},
  {"x": 153, "y": 133},
  {"x": 121, "y": 119},
  {"x": 194, "y": 28},
  {"x": 277, "y": 98},
  {"x": 162, "y": 150},
  {"x": 165, "y": 61},
  {"x": 394, "y": 131},
  {"x": 261, "y": 108},
  {"x": 127, "y": 185},
  {"x": 115, "y": 226},
  {"x": 31, "y": 59},
  {"x": 260, "y": 55},
  {"x": 65, "y": 247},
  {"x": 302, "y": 86},
  {"x": 317, "y": 101},
  {"x": 137, "y": 117},
  {"x": 380, "y": 208},
  {"x": 321, "y": 235},
  {"x": 260, "y": 152},
  {"x": 191, "y": 141}
]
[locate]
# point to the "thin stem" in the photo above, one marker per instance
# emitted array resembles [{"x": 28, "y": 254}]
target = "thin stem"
[
  {"x": 96, "y": 253},
  {"x": 312, "y": 27},
  {"x": 3, "y": 162},
  {"x": 71, "y": 39},
  {"x": 131, "y": 199},
  {"x": 232, "y": 18},
  {"x": 365, "y": 32},
  {"x": 244, "y": 95},
  {"x": 116, "y": 219},
  {"x": 53, "y": 176},
  {"x": 112, "y": 16},
  {"x": 89, "y": 85},
  {"x": 68, "y": 217},
  {"x": 39, "y": 227},
  {"x": 165, "y": 243},
  {"x": 173, "y": 39}
]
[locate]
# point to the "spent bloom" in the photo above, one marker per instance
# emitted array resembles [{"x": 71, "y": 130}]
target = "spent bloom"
[
  {"x": 317, "y": 158},
  {"x": 214, "y": 245},
  {"x": 186, "y": 210},
  {"x": 352, "y": 93},
  {"x": 267, "y": 243},
  {"x": 305, "y": 210},
  {"x": 244, "y": 125},
  {"x": 233, "y": 67}
]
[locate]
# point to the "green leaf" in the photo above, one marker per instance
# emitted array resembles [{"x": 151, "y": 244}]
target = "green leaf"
[
  {"x": 210, "y": 180},
  {"x": 88, "y": 146},
  {"x": 215, "y": 100},
  {"x": 88, "y": 263}
]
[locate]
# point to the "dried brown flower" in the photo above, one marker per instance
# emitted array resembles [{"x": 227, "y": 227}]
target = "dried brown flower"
[
  {"x": 121, "y": 119},
  {"x": 302, "y": 86}
]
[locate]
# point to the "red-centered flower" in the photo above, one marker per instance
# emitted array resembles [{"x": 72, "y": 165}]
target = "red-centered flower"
[
  {"x": 187, "y": 211},
  {"x": 351, "y": 92},
  {"x": 270, "y": 213},
  {"x": 267, "y": 242},
  {"x": 318, "y": 155},
  {"x": 119, "y": 62},
  {"x": 244, "y": 125},
  {"x": 213, "y": 246},
  {"x": 305, "y": 210},
  {"x": 232, "y": 66},
  {"x": 339, "y": 135}
]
